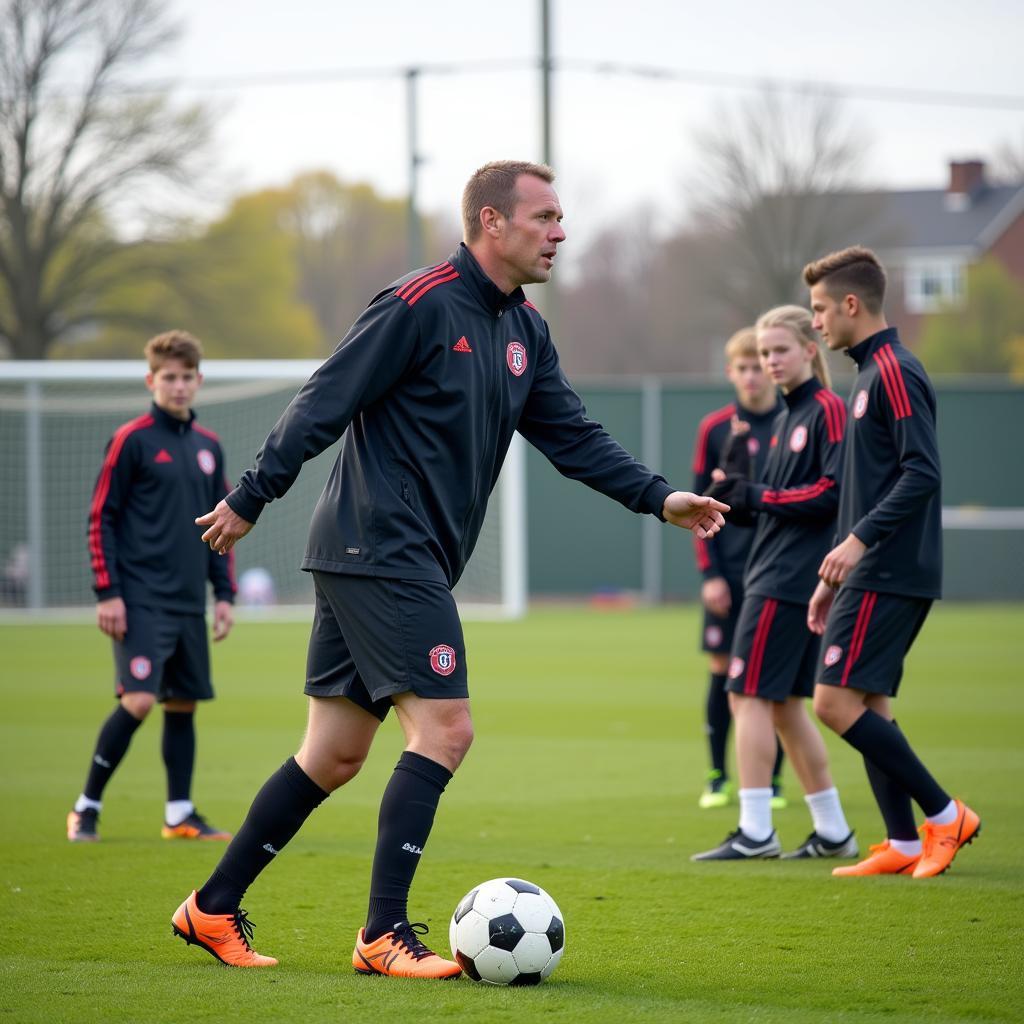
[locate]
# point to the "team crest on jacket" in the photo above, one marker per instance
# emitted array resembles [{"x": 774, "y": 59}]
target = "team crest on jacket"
[
  {"x": 832, "y": 655},
  {"x": 207, "y": 463},
  {"x": 753, "y": 446},
  {"x": 713, "y": 636},
  {"x": 515, "y": 356},
  {"x": 442, "y": 659},
  {"x": 736, "y": 667},
  {"x": 798, "y": 439},
  {"x": 140, "y": 667},
  {"x": 860, "y": 404}
]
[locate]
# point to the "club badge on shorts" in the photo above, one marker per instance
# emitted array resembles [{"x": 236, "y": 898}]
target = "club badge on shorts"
[
  {"x": 736, "y": 667},
  {"x": 515, "y": 356},
  {"x": 207, "y": 463},
  {"x": 140, "y": 667},
  {"x": 442, "y": 659},
  {"x": 713, "y": 636},
  {"x": 832, "y": 655}
]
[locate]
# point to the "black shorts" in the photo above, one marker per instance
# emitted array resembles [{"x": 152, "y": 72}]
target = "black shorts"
[
  {"x": 867, "y": 637},
  {"x": 718, "y": 632},
  {"x": 373, "y": 638},
  {"x": 163, "y": 653},
  {"x": 774, "y": 655}
]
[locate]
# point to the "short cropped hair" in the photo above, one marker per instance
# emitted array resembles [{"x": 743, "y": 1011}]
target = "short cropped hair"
[
  {"x": 742, "y": 345},
  {"x": 853, "y": 271},
  {"x": 494, "y": 184},
  {"x": 178, "y": 345}
]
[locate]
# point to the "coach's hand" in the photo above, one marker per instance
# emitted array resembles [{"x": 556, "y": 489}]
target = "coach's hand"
[
  {"x": 818, "y": 609},
  {"x": 841, "y": 561},
  {"x": 696, "y": 512},
  {"x": 225, "y": 528},
  {"x": 223, "y": 619},
  {"x": 112, "y": 618}
]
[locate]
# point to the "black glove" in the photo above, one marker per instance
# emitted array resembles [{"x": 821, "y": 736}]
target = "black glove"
[
  {"x": 735, "y": 460},
  {"x": 735, "y": 492}
]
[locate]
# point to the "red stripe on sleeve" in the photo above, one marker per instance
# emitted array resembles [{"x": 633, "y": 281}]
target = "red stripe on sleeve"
[
  {"x": 892, "y": 378},
  {"x": 101, "y": 572},
  {"x": 428, "y": 285},
  {"x": 700, "y": 547},
  {"x": 835, "y": 414},
  {"x": 793, "y": 495},
  {"x": 411, "y": 286},
  {"x": 700, "y": 448}
]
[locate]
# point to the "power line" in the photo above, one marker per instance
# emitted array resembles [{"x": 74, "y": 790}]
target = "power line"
[{"x": 687, "y": 76}]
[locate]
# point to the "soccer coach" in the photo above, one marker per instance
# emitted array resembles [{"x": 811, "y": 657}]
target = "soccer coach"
[{"x": 431, "y": 382}]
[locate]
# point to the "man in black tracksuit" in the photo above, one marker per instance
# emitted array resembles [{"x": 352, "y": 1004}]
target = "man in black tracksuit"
[
  {"x": 431, "y": 382},
  {"x": 878, "y": 583},
  {"x": 150, "y": 576}
]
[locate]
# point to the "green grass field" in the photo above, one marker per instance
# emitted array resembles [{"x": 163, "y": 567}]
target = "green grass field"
[{"x": 583, "y": 778}]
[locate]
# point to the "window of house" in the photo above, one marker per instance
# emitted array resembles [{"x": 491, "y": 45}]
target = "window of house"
[{"x": 934, "y": 285}]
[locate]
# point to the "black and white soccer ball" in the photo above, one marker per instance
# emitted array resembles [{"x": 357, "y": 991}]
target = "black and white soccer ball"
[{"x": 507, "y": 932}]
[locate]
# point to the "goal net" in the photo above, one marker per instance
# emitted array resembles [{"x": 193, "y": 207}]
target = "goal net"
[{"x": 55, "y": 419}]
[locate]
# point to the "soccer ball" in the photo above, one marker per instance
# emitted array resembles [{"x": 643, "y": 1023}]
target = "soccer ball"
[{"x": 507, "y": 932}]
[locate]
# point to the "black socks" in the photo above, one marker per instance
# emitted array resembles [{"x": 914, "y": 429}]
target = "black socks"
[
  {"x": 178, "y": 746},
  {"x": 717, "y": 719},
  {"x": 882, "y": 743},
  {"x": 407, "y": 812},
  {"x": 111, "y": 746},
  {"x": 286, "y": 800}
]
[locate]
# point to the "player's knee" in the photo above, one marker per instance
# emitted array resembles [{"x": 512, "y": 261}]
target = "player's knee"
[
  {"x": 827, "y": 708},
  {"x": 138, "y": 705},
  {"x": 719, "y": 664},
  {"x": 343, "y": 768}
]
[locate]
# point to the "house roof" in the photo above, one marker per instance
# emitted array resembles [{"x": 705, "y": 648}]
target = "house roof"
[{"x": 924, "y": 220}]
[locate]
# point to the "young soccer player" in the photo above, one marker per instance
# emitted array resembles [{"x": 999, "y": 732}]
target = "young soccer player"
[
  {"x": 150, "y": 573},
  {"x": 431, "y": 382},
  {"x": 720, "y": 559},
  {"x": 774, "y": 654},
  {"x": 878, "y": 583}
]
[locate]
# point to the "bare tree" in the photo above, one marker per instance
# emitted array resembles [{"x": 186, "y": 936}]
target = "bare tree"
[
  {"x": 1008, "y": 165},
  {"x": 69, "y": 154},
  {"x": 777, "y": 187}
]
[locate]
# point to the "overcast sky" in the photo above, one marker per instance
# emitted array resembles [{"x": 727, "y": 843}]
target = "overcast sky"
[{"x": 619, "y": 140}]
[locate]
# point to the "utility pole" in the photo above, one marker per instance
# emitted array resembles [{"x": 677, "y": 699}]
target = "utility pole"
[
  {"x": 414, "y": 233},
  {"x": 545, "y": 78}
]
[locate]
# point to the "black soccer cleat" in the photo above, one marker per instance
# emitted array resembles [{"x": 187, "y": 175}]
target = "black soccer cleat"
[
  {"x": 815, "y": 846},
  {"x": 739, "y": 846}
]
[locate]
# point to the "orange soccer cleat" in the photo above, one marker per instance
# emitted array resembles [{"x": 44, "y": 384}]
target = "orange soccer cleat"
[
  {"x": 195, "y": 826},
  {"x": 884, "y": 860},
  {"x": 941, "y": 842},
  {"x": 225, "y": 936},
  {"x": 401, "y": 954},
  {"x": 82, "y": 826}
]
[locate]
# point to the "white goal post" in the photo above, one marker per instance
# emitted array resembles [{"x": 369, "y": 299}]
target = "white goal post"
[{"x": 56, "y": 417}]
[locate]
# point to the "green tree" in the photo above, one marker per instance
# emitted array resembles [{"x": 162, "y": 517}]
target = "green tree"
[
  {"x": 984, "y": 336},
  {"x": 235, "y": 284},
  {"x": 71, "y": 155}
]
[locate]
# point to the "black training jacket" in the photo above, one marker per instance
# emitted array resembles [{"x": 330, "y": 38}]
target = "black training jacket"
[
  {"x": 890, "y": 495},
  {"x": 158, "y": 474},
  {"x": 726, "y": 553},
  {"x": 797, "y": 500},
  {"x": 432, "y": 380}
]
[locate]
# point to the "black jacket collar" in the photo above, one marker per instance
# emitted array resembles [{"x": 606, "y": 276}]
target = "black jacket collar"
[
  {"x": 860, "y": 352},
  {"x": 490, "y": 296},
  {"x": 172, "y": 423},
  {"x": 805, "y": 390}
]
